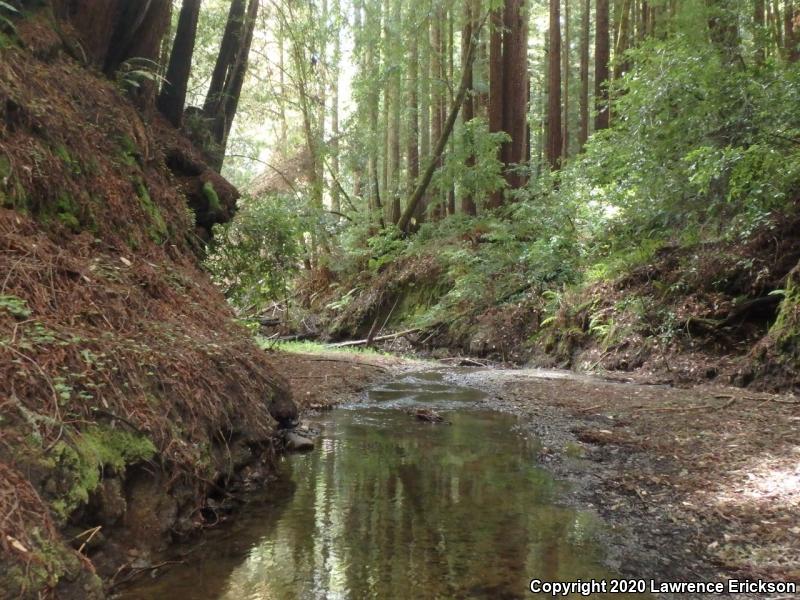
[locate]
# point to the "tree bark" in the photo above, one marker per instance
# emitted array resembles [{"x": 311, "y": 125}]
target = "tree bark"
[
  {"x": 437, "y": 100},
  {"x": 232, "y": 91},
  {"x": 554, "y": 141},
  {"x": 791, "y": 24},
  {"x": 565, "y": 63},
  {"x": 424, "y": 112},
  {"x": 496, "y": 88},
  {"x": 225, "y": 57},
  {"x": 601, "y": 59},
  {"x": 471, "y": 11},
  {"x": 172, "y": 98},
  {"x": 623, "y": 40},
  {"x": 337, "y": 57},
  {"x": 583, "y": 135},
  {"x": 412, "y": 146},
  {"x": 758, "y": 31},
  {"x": 394, "y": 137},
  {"x": 441, "y": 143},
  {"x": 515, "y": 89}
]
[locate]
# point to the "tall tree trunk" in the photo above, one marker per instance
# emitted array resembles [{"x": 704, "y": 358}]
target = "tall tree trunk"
[
  {"x": 791, "y": 25},
  {"x": 776, "y": 23},
  {"x": 601, "y": 59},
  {"x": 284, "y": 140},
  {"x": 412, "y": 145},
  {"x": 724, "y": 30},
  {"x": 372, "y": 18},
  {"x": 441, "y": 143},
  {"x": 554, "y": 140},
  {"x": 425, "y": 105},
  {"x": 223, "y": 120},
  {"x": 496, "y": 86},
  {"x": 172, "y": 98},
  {"x": 226, "y": 56},
  {"x": 583, "y": 136},
  {"x": 437, "y": 98},
  {"x": 394, "y": 137},
  {"x": 758, "y": 31},
  {"x": 137, "y": 31},
  {"x": 565, "y": 63},
  {"x": 623, "y": 39},
  {"x": 515, "y": 89},
  {"x": 450, "y": 50},
  {"x": 471, "y": 10},
  {"x": 336, "y": 204}
]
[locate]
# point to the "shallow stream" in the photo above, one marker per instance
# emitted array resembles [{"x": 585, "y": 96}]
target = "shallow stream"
[{"x": 388, "y": 506}]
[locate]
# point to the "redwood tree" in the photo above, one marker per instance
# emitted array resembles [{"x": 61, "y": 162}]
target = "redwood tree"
[
  {"x": 173, "y": 93},
  {"x": 553, "y": 146},
  {"x": 583, "y": 135},
  {"x": 601, "y": 59}
]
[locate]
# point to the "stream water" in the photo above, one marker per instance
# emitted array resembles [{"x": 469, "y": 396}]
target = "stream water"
[{"x": 387, "y": 506}]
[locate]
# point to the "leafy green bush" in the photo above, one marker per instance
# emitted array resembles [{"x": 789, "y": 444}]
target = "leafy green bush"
[{"x": 255, "y": 255}]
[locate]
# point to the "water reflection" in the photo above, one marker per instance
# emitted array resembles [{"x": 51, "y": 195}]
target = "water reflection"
[{"x": 389, "y": 507}]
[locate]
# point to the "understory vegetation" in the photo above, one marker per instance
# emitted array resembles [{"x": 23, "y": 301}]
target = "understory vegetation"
[{"x": 671, "y": 229}]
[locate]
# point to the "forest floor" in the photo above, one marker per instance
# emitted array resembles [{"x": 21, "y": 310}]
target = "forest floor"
[{"x": 696, "y": 484}]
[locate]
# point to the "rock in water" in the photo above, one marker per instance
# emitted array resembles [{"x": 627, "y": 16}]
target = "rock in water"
[
  {"x": 429, "y": 416},
  {"x": 284, "y": 411},
  {"x": 297, "y": 443}
]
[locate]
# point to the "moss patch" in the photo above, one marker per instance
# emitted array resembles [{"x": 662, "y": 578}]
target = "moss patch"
[
  {"x": 210, "y": 194},
  {"x": 97, "y": 448},
  {"x": 158, "y": 229}
]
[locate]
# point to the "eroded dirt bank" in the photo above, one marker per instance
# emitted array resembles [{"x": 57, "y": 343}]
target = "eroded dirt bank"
[{"x": 696, "y": 485}]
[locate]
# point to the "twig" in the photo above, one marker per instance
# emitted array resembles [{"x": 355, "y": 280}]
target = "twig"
[
  {"x": 686, "y": 408},
  {"x": 779, "y": 400}
]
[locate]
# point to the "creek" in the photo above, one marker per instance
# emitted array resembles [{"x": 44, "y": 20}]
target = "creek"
[{"x": 388, "y": 506}]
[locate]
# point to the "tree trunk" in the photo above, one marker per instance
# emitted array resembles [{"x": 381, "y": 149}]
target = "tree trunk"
[
  {"x": 583, "y": 136},
  {"x": 791, "y": 25},
  {"x": 437, "y": 99},
  {"x": 601, "y": 58},
  {"x": 424, "y": 113},
  {"x": 228, "y": 48},
  {"x": 232, "y": 91},
  {"x": 554, "y": 140},
  {"x": 515, "y": 89},
  {"x": 441, "y": 143},
  {"x": 496, "y": 88},
  {"x": 172, "y": 98},
  {"x": 724, "y": 30},
  {"x": 471, "y": 10},
  {"x": 450, "y": 50},
  {"x": 412, "y": 145},
  {"x": 565, "y": 62},
  {"x": 394, "y": 137},
  {"x": 337, "y": 57},
  {"x": 623, "y": 41},
  {"x": 758, "y": 31}
]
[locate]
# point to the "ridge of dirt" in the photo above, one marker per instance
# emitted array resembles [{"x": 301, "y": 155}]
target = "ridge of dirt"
[{"x": 130, "y": 400}]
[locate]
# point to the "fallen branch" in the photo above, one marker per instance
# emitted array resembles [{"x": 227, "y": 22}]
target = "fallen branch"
[{"x": 381, "y": 338}]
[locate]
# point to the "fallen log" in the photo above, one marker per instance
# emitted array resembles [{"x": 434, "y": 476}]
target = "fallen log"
[{"x": 380, "y": 338}]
